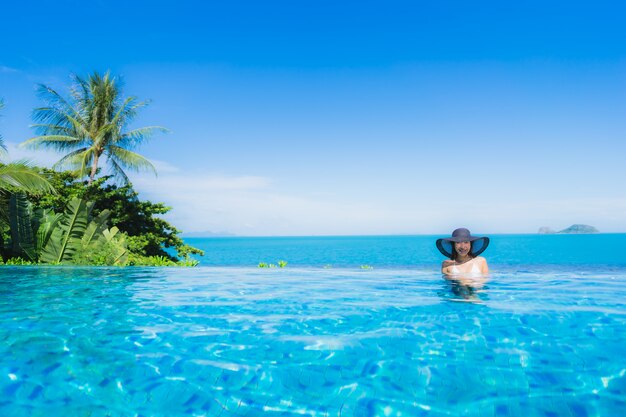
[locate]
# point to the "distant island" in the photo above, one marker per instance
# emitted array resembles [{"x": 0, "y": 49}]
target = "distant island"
[{"x": 575, "y": 229}]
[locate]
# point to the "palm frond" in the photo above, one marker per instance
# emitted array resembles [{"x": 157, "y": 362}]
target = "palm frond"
[
  {"x": 54, "y": 122},
  {"x": 20, "y": 176},
  {"x": 57, "y": 129},
  {"x": 80, "y": 161},
  {"x": 129, "y": 159},
  {"x": 118, "y": 172},
  {"x": 3, "y": 148},
  {"x": 135, "y": 137},
  {"x": 57, "y": 105},
  {"x": 72, "y": 160},
  {"x": 50, "y": 96},
  {"x": 60, "y": 142}
]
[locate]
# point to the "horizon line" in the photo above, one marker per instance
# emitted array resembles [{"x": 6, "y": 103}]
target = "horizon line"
[{"x": 183, "y": 235}]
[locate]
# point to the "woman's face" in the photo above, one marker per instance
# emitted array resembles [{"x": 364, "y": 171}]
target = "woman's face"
[{"x": 462, "y": 248}]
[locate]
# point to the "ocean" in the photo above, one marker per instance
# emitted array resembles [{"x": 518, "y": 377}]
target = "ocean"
[{"x": 505, "y": 251}]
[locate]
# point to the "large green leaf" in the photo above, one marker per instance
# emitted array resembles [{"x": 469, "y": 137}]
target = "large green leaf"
[
  {"x": 66, "y": 238},
  {"x": 94, "y": 230},
  {"x": 4, "y": 210},
  {"x": 117, "y": 241},
  {"x": 20, "y": 220},
  {"x": 48, "y": 222}
]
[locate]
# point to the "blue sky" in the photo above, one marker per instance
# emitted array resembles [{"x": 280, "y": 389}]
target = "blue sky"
[{"x": 326, "y": 117}]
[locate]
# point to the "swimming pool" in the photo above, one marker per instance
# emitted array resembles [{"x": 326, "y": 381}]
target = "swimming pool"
[{"x": 317, "y": 342}]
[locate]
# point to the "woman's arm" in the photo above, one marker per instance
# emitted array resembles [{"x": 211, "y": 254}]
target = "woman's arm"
[{"x": 484, "y": 268}]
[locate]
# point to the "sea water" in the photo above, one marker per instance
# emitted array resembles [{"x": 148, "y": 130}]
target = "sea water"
[
  {"x": 538, "y": 339},
  {"x": 534, "y": 251}
]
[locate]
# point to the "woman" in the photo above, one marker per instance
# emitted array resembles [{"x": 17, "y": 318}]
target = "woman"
[{"x": 463, "y": 249}]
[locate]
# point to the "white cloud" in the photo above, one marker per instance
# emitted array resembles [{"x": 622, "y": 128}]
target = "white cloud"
[
  {"x": 250, "y": 205},
  {"x": 164, "y": 167},
  {"x": 496, "y": 216},
  {"x": 41, "y": 157},
  {"x": 5, "y": 69},
  {"x": 184, "y": 185},
  {"x": 256, "y": 205}
]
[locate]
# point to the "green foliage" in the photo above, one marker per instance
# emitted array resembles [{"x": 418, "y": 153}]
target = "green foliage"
[
  {"x": 21, "y": 176},
  {"x": 18, "y": 261},
  {"x": 85, "y": 241},
  {"x": 91, "y": 124},
  {"x": 367, "y": 267},
  {"x": 137, "y": 260},
  {"x": 66, "y": 237},
  {"x": 48, "y": 223},
  {"x": 188, "y": 262},
  {"x": 281, "y": 264},
  {"x": 108, "y": 249},
  {"x": 22, "y": 226},
  {"x": 71, "y": 237},
  {"x": 64, "y": 228},
  {"x": 17, "y": 177},
  {"x": 146, "y": 234}
]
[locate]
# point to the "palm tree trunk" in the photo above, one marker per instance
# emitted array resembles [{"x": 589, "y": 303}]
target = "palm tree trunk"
[{"x": 94, "y": 168}]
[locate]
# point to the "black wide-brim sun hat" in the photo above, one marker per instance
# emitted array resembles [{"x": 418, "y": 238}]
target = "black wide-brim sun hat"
[{"x": 479, "y": 243}]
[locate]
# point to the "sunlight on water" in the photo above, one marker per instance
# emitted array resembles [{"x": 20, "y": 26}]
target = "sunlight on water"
[{"x": 237, "y": 341}]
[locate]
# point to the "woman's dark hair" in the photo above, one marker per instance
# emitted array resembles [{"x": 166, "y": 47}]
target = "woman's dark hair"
[{"x": 456, "y": 255}]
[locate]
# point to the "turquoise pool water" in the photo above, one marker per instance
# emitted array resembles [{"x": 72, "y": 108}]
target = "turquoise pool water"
[{"x": 311, "y": 342}]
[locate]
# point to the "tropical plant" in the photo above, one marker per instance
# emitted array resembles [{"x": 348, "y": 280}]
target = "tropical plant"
[
  {"x": 91, "y": 124},
  {"x": 70, "y": 237},
  {"x": 150, "y": 261},
  {"x": 16, "y": 177},
  {"x": 76, "y": 238},
  {"x": 147, "y": 234},
  {"x": 66, "y": 234},
  {"x": 18, "y": 261},
  {"x": 188, "y": 262},
  {"x": 281, "y": 264},
  {"x": 22, "y": 226},
  {"x": 108, "y": 248}
]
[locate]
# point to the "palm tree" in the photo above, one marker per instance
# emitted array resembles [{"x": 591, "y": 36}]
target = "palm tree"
[{"x": 91, "y": 124}]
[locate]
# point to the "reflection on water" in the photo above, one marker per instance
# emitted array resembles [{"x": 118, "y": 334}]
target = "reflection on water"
[{"x": 466, "y": 288}]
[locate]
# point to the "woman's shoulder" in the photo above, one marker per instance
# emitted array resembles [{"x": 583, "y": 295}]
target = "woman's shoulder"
[{"x": 480, "y": 259}]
